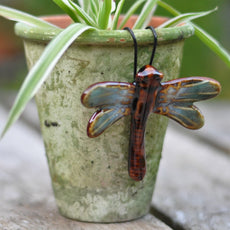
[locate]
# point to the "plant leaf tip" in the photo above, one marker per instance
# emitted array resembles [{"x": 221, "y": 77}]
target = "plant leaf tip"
[{"x": 2, "y": 134}]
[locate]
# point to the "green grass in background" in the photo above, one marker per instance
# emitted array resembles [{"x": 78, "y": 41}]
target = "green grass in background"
[
  {"x": 12, "y": 78},
  {"x": 198, "y": 59}
]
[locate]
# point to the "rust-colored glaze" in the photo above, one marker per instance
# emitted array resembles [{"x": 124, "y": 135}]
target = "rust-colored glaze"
[
  {"x": 63, "y": 20},
  {"x": 191, "y": 80},
  {"x": 97, "y": 117},
  {"x": 146, "y": 94},
  {"x": 176, "y": 97},
  {"x": 147, "y": 84}
]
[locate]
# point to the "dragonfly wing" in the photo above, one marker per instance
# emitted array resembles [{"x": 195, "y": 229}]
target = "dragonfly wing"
[
  {"x": 108, "y": 94},
  {"x": 176, "y": 98},
  {"x": 188, "y": 116},
  {"x": 104, "y": 118},
  {"x": 112, "y": 100}
]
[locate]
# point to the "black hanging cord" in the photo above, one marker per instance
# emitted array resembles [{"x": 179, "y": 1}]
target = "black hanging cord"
[
  {"x": 155, "y": 43},
  {"x": 135, "y": 51},
  {"x": 135, "y": 47}
]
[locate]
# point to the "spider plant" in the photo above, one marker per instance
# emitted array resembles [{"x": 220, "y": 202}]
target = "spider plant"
[{"x": 91, "y": 15}]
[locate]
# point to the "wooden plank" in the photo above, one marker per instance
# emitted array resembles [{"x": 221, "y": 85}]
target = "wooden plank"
[
  {"x": 193, "y": 184},
  {"x": 216, "y": 131},
  {"x": 192, "y": 190},
  {"x": 29, "y": 116},
  {"x": 26, "y": 198},
  {"x": 40, "y": 218}
]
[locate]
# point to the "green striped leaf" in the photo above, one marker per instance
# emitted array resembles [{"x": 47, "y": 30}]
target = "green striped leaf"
[
  {"x": 82, "y": 14},
  {"x": 86, "y": 5},
  {"x": 185, "y": 18},
  {"x": 130, "y": 12},
  {"x": 42, "y": 69},
  {"x": 146, "y": 11},
  {"x": 94, "y": 9},
  {"x": 19, "y": 16},
  {"x": 117, "y": 14},
  {"x": 105, "y": 14},
  {"x": 206, "y": 38},
  {"x": 66, "y": 7},
  {"x": 213, "y": 44}
]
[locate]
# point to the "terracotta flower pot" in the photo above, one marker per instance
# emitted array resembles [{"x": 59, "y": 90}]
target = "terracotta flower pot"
[{"x": 89, "y": 176}]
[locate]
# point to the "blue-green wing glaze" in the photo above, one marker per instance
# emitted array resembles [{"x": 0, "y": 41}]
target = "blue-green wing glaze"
[
  {"x": 113, "y": 101},
  {"x": 108, "y": 94},
  {"x": 103, "y": 119},
  {"x": 175, "y": 99}
]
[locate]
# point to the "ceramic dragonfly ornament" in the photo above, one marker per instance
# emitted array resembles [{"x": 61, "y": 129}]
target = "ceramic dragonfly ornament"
[{"x": 174, "y": 99}]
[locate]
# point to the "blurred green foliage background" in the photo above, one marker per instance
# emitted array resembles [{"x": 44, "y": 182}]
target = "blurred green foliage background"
[{"x": 198, "y": 59}]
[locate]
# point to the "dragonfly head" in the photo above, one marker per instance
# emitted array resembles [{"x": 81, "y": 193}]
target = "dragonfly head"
[{"x": 148, "y": 73}]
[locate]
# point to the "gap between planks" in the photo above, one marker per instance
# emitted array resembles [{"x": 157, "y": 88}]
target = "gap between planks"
[{"x": 203, "y": 136}]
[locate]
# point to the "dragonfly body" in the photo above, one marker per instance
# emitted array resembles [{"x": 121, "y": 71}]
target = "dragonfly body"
[
  {"x": 174, "y": 99},
  {"x": 147, "y": 85}
]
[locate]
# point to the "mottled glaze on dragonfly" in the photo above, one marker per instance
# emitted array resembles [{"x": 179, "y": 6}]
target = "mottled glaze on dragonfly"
[
  {"x": 176, "y": 97},
  {"x": 147, "y": 85},
  {"x": 146, "y": 94},
  {"x": 112, "y": 100}
]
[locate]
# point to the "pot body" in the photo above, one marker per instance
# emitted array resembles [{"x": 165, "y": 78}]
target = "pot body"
[{"x": 89, "y": 176}]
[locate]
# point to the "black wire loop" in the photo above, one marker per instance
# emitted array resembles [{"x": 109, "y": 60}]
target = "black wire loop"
[
  {"x": 155, "y": 43},
  {"x": 135, "y": 47},
  {"x": 135, "y": 51}
]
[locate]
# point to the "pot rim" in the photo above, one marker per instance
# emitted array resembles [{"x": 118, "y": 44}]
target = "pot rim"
[{"x": 107, "y": 37}]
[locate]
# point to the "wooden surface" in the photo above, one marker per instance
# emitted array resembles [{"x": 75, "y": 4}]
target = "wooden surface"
[{"x": 192, "y": 190}]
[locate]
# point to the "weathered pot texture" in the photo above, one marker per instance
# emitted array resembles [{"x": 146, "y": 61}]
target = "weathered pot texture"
[{"x": 89, "y": 175}]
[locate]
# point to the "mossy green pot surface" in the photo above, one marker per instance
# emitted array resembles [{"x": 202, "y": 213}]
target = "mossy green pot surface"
[{"x": 89, "y": 176}]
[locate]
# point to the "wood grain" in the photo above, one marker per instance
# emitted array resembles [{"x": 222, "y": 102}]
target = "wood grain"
[
  {"x": 26, "y": 197},
  {"x": 192, "y": 190},
  {"x": 193, "y": 184}
]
